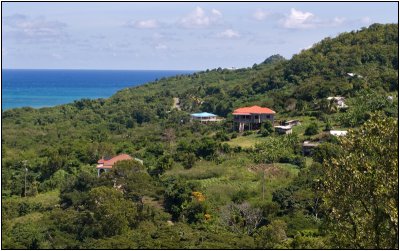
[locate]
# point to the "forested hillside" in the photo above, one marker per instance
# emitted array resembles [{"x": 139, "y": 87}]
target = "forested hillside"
[{"x": 205, "y": 185}]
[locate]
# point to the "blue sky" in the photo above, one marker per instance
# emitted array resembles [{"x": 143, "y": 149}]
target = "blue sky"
[{"x": 185, "y": 36}]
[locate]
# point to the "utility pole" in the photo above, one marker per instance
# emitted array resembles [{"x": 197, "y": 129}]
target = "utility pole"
[
  {"x": 263, "y": 184},
  {"x": 26, "y": 171}
]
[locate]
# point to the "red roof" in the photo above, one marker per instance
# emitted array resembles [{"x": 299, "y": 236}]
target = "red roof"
[
  {"x": 112, "y": 161},
  {"x": 253, "y": 110},
  {"x": 109, "y": 163}
]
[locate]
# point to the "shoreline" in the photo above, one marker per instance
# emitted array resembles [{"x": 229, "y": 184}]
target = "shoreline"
[{"x": 42, "y": 88}]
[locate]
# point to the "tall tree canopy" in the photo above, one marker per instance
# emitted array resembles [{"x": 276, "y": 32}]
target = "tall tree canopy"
[{"x": 362, "y": 187}]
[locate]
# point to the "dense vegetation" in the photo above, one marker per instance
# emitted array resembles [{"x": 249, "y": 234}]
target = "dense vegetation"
[{"x": 206, "y": 186}]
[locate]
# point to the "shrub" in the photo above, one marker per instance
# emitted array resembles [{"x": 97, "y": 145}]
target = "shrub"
[
  {"x": 195, "y": 212},
  {"x": 299, "y": 161},
  {"x": 221, "y": 136},
  {"x": 225, "y": 148},
  {"x": 312, "y": 129},
  {"x": 237, "y": 149},
  {"x": 266, "y": 129},
  {"x": 247, "y": 133},
  {"x": 264, "y": 132},
  {"x": 206, "y": 148},
  {"x": 271, "y": 236},
  {"x": 163, "y": 164},
  {"x": 328, "y": 126},
  {"x": 188, "y": 160},
  {"x": 240, "y": 196}
]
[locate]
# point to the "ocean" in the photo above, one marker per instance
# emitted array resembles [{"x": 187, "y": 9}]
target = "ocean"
[{"x": 44, "y": 88}]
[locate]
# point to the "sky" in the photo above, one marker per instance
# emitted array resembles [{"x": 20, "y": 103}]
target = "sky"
[{"x": 173, "y": 36}]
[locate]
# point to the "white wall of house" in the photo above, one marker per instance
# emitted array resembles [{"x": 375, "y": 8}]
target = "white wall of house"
[{"x": 204, "y": 119}]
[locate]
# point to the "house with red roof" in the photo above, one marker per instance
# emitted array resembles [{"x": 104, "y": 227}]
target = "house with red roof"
[
  {"x": 251, "y": 118},
  {"x": 106, "y": 164}
]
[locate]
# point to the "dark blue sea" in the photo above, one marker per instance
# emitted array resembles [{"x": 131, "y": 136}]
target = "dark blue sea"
[{"x": 43, "y": 88}]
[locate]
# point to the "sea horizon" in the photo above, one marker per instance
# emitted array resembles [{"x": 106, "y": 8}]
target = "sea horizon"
[
  {"x": 96, "y": 69},
  {"x": 52, "y": 87}
]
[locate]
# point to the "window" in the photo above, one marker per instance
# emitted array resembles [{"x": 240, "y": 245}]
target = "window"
[
  {"x": 268, "y": 117},
  {"x": 256, "y": 117}
]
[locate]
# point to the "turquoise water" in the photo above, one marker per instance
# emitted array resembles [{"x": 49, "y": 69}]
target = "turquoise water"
[{"x": 43, "y": 88}]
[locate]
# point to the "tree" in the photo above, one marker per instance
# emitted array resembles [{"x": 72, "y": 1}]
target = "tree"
[
  {"x": 163, "y": 164},
  {"x": 130, "y": 176},
  {"x": 267, "y": 129},
  {"x": 328, "y": 125},
  {"x": 241, "y": 218},
  {"x": 361, "y": 186},
  {"x": 272, "y": 150},
  {"x": 364, "y": 104},
  {"x": 176, "y": 195},
  {"x": 110, "y": 213},
  {"x": 207, "y": 148},
  {"x": 271, "y": 236},
  {"x": 195, "y": 211},
  {"x": 169, "y": 136},
  {"x": 189, "y": 160}
]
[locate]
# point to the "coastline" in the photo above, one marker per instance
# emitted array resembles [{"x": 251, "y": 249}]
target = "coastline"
[{"x": 40, "y": 88}]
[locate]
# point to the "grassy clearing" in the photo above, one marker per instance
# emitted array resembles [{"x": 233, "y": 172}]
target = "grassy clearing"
[
  {"x": 220, "y": 182},
  {"x": 29, "y": 218},
  {"x": 273, "y": 182},
  {"x": 292, "y": 169},
  {"x": 27, "y": 211},
  {"x": 246, "y": 141},
  {"x": 48, "y": 199}
]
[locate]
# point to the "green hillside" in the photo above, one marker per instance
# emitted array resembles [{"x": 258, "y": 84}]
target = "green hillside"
[{"x": 207, "y": 186}]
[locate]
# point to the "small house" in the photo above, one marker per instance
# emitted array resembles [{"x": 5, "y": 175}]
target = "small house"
[
  {"x": 106, "y": 164},
  {"x": 252, "y": 117},
  {"x": 292, "y": 122},
  {"x": 308, "y": 147},
  {"x": 339, "y": 102},
  {"x": 203, "y": 117},
  {"x": 337, "y": 133},
  {"x": 283, "y": 129}
]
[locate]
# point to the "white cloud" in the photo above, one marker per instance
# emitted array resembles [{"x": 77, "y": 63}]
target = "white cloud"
[
  {"x": 199, "y": 18},
  {"x": 298, "y": 20},
  {"x": 145, "y": 24},
  {"x": 216, "y": 12},
  {"x": 307, "y": 20},
  {"x": 24, "y": 27},
  {"x": 229, "y": 33},
  {"x": 260, "y": 14}
]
